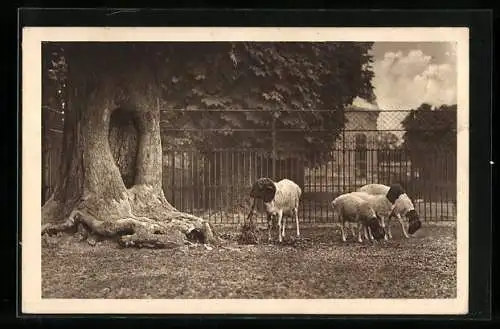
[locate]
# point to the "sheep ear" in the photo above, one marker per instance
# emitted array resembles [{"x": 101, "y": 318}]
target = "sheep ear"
[
  {"x": 395, "y": 190},
  {"x": 264, "y": 189}
]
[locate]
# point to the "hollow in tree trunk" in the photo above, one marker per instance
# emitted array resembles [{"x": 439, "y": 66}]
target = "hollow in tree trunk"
[{"x": 111, "y": 168}]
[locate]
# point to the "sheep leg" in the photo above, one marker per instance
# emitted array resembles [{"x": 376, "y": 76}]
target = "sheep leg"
[
  {"x": 383, "y": 224},
  {"x": 388, "y": 233},
  {"x": 284, "y": 226},
  {"x": 353, "y": 232},
  {"x": 296, "y": 213},
  {"x": 370, "y": 234},
  {"x": 343, "y": 231},
  {"x": 400, "y": 219},
  {"x": 365, "y": 231},
  {"x": 269, "y": 228},
  {"x": 360, "y": 227},
  {"x": 280, "y": 219}
]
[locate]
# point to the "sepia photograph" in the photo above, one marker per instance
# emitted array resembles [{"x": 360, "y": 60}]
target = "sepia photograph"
[{"x": 245, "y": 170}]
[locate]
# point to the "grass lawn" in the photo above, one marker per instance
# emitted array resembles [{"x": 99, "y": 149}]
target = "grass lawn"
[{"x": 318, "y": 266}]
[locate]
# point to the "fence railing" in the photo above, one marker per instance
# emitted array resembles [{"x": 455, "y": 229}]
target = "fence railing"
[{"x": 215, "y": 184}]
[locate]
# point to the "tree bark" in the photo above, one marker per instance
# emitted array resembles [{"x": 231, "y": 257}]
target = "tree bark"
[{"x": 92, "y": 192}]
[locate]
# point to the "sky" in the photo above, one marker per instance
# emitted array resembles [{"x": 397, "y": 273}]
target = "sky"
[
  {"x": 407, "y": 74},
  {"x": 410, "y": 73}
]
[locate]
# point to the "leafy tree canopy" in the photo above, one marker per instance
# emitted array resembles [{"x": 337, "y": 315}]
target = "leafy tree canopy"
[
  {"x": 214, "y": 77},
  {"x": 388, "y": 141},
  {"x": 431, "y": 128},
  {"x": 431, "y": 138}
]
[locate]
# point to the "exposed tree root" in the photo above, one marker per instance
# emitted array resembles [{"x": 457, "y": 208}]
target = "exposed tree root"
[
  {"x": 159, "y": 225},
  {"x": 137, "y": 232}
]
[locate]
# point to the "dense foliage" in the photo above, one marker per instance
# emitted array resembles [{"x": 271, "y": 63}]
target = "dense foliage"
[
  {"x": 431, "y": 137},
  {"x": 224, "y": 94},
  {"x": 305, "y": 85}
]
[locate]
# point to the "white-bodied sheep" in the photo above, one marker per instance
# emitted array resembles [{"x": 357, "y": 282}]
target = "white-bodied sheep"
[
  {"x": 349, "y": 208},
  {"x": 380, "y": 204},
  {"x": 402, "y": 206},
  {"x": 280, "y": 199}
]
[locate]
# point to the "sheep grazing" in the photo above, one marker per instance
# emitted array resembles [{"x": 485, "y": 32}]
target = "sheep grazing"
[
  {"x": 402, "y": 206},
  {"x": 349, "y": 208},
  {"x": 280, "y": 199},
  {"x": 380, "y": 204}
]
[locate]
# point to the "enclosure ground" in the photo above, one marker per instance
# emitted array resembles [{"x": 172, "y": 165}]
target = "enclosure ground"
[{"x": 318, "y": 266}]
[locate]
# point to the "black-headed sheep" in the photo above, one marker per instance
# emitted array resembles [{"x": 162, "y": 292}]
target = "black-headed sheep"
[
  {"x": 402, "y": 206},
  {"x": 349, "y": 208},
  {"x": 281, "y": 199}
]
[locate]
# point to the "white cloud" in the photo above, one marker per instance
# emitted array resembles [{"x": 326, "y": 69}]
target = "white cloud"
[{"x": 405, "y": 81}]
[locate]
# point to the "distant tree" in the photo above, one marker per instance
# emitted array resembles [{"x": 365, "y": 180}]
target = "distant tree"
[
  {"x": 388, "y": 142},
  {"x": 430, "y": 133}
]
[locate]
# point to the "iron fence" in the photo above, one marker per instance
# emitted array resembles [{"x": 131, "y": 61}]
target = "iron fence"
[
  {"x": 373, "y": 147},
  {"x": 217, "y": 185},
  {"x": 51, "y": 149}
]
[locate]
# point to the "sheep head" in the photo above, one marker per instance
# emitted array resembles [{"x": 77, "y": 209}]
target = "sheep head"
[
  {"x": 264, "y": 189},
  {"x": 375, "y": 224},
  {"x": 414, "y": 221},
  {"x": 395, "y": 190}
]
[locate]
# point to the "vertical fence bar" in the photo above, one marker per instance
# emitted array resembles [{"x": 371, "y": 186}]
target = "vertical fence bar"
[
  {"x": 202, "y": 175},
  {"x": 447, "y": 184},
  {"x": 405, "y": 175},
  {"x": 447, "y": 194},
  {"x": 329, "y": 183},
  {"x": 233, "y": 169},
  {"x": 216, "y": 180},
  {"x": 319, "y": 216},
  {"x": 174, "y": 185},
  {"x": 273, "y": 133},
  {"x": 304, "y": 180},
  {"x": 227, "y": 182},
  {"x": 369, "y": 160},
  {"x": 210, "y": 184},
  {"x": 375, "y": 159},
  {"x": 426, "y": 195},
  {"x": 268, "y": 173},
  {"x": 244, "y": 183},
  {"x": 441, "y": 186},
  {"x": 193, "y": 181},
  {"x": 432, "y": 190},
  {"x": 222, "y": 185},
  {"x": 315, "y": 187},
  {"x": 339, "y": 171},
  {"x": 182, "y": 187},
  {"x": 332, "y": 184},
  {"x": 351, "y": 171},
  {"x": 344, "y": 171},
  {"x": 310, "y": 189},
  {"x": 324, "y": 179}
]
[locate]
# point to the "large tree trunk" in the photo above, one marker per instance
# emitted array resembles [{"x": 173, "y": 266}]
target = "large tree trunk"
[{"x": 111, "y": 168}]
